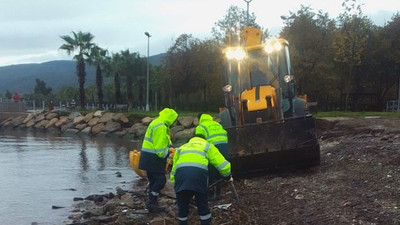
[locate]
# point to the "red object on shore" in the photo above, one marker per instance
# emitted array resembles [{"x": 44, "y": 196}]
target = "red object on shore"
[{"x": 16, "y": 97}]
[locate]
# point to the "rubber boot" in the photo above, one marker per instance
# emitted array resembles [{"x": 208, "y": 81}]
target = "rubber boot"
[
  {"x": 152, "y": 205},
  {"x": 154, "y": 208},
  {"x": 205, "y": 222},
  {"x": 182, "y": 222}
]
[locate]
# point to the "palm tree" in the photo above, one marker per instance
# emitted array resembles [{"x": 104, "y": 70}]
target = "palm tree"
[
  {"x": 98, "y": 58},
  {"x": 82, "y": 44},
  {"x": 116, "y": 62}
]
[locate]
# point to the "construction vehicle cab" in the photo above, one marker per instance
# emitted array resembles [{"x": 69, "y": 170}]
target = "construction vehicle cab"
[{"x": 269, "y": 127}]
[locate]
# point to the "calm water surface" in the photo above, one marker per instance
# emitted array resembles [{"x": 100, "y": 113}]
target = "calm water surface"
[{"x": 38, "y": 171}]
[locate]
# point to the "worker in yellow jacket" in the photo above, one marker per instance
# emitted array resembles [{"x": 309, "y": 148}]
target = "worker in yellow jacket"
[
  {"x": 156, "y": 147},
  {"x": 216, "y": 135},
  {"x": 190, "y": 176}
]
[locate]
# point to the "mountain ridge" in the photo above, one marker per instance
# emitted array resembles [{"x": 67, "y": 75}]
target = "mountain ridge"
[{"x": 56, "y": 74}]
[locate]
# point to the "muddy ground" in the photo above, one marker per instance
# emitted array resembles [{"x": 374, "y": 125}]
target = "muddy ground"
[{"x": 357, "y": 182}]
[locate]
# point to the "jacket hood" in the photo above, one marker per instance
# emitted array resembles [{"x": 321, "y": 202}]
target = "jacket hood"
[
  {"x": 197, "y": 139},
  {"x": 168, "y": 116},
  {"x": 205, "y": 117}
]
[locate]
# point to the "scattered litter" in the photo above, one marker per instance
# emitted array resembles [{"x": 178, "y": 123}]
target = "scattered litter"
[
  {"x": 299, "y": 197},
  {"x": 372, "y": 117},
  {"x": 223, "y": 206}
]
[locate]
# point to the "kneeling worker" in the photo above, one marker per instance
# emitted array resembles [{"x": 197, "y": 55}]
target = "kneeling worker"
[
  {"x": 190, "y": 176},
  {"x": 155, "y": 150}
]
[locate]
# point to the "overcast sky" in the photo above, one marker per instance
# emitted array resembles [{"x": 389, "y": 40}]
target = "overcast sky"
[{"x": 30, "y": 30}]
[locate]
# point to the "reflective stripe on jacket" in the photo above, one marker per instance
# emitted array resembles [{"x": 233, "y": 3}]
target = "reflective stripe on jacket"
[
  {"x": 211, "y": 130},
  {"x": 156, "y": 143},
  {"x": 198, "y": 153}
]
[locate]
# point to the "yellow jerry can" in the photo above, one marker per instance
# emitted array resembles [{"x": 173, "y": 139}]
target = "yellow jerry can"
[{"x": 134, "y": 157}]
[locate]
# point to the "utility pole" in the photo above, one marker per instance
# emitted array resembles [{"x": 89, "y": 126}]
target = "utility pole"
[{"x": 147, "y": 74}]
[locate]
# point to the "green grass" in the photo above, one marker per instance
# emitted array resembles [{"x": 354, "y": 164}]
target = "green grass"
[
  {"x": 142, "y": 113},
  {"x": 356, "y": 114}
]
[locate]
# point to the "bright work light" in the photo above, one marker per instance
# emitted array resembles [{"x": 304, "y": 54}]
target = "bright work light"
[{"x": 235, "y": 53}]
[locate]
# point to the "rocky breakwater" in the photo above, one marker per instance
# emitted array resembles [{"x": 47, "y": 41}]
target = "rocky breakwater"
[
  {"x": 124, "y": 206},
  {"x": 97, "y": 123}
]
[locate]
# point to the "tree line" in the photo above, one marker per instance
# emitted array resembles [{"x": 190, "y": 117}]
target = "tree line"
[{"x": 345, "y": 63}]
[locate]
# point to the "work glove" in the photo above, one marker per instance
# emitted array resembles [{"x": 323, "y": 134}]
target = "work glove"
[
  {"x": 229, "y": 178},
  {"x": 172, "y": 152}
]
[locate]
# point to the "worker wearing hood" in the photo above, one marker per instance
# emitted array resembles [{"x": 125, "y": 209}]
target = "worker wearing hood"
[
  {"x": 215, "y": 134},
  {"x": 156, "y": 147}
]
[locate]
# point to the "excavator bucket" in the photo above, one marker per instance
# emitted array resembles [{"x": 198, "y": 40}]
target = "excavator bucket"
[{"x": 273, "y": 146}]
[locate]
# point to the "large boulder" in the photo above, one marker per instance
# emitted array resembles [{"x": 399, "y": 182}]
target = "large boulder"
[
  {"x": 93, "y": 121},
  {"x": 7, "y": 122},
  {"x": 98, "y": 113},
  {"x": 42, "y": 124},
  {"x": 18, "y": 121},
  {"x": 67, "y": 126},
  {"x": 183, "y": 136},
  {"x": 186, "y": 121},
  {"x": 51, "y": 115},
  {"x": 87, "y": 130},
  {"x": 147, "y": 120},
  {"x": 112, "y": 126},
  {"x": 106, "y": 117},
  {"x": 28, "y": 118},
  {"x": 119, "y": 117},
  {"x": 81, "y": 126},
  {"x": 138, "y": 129},
  {"x": 73, "y": 115},
  {"x": 37, "y": 112},
  {"x": 78, "y": 120},
  {"x": 62, "y": 121},
  {"x": 176, "y": 129},
  {"x": 30, "y": 123},
  {"x": 39, "y": 118},
  {"x": 51, "y": 122},
  {"x": 88, "y": 117},
  {"x": 98, "y": 128}
]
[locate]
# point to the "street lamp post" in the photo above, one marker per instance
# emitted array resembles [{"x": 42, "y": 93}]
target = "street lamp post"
[
  {"x": 147, "y": 78},
  {"x": 248, "y": 1}
]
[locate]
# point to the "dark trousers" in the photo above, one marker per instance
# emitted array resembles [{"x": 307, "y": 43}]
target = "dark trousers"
[
  {"x": 157, "y": 182},
  {"x": 214, "y": 174},
  {"x": 183, "y": 199}
]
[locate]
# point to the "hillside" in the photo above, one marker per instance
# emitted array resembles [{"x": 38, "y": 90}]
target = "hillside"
[
  {"x": 57, "y": 74},
  {"x": 21, "y": 78}
]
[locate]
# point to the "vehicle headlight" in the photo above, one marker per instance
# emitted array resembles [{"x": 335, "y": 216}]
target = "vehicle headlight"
[
  {"x": 277, "y": 46},
  {"x": 268, "y": 48},
  {"x": 235, "y": 53}
]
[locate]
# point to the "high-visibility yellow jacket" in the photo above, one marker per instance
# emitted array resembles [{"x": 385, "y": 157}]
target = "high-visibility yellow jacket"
[
  {"x": 211, "y": 130},
  {"x": 157, "y": 142},
  {"x": 190, "y": 165}
]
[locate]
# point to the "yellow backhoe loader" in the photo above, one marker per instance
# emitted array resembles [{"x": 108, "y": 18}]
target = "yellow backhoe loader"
[{"x": 269, "y": 127}]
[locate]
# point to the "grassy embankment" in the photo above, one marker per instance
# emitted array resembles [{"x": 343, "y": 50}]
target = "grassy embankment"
[
  {"x": 356, "y": 114},
  {"x": 142, "y": 113}
]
